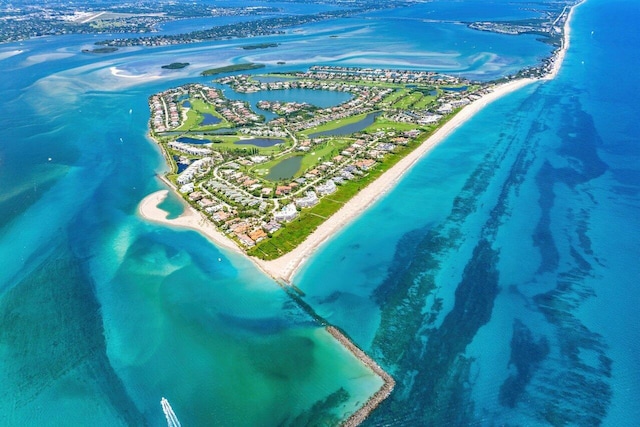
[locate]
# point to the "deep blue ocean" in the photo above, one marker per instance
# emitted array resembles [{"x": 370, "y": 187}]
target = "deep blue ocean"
[{"x": 497, "y": 283}]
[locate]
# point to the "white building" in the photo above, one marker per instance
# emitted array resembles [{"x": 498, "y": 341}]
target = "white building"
[
  {"x": 258, "y": 159},
  {"x": 326, "y": 188},
  {"x": 187, "y": 188},
  {"x": 310, "y": 199},
  {"x": 190, "y": 149},
  {"x": 287, "y": 213},
  {"x": 190, "y": 172}
]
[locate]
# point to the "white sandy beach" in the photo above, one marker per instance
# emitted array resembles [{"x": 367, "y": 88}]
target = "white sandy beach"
[
  {"x": 285, "y": 267},
  {"x": 191, "y": 219}
]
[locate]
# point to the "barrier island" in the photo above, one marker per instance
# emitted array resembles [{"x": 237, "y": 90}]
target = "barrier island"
[
  {"x": 276, "y": 190},
  {"x": 268, "y": 185}
]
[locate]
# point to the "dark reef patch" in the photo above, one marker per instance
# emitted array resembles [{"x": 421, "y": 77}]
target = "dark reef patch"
[
  {"x": 526, "y": 355},
  {"x": 320, "y": 413}
]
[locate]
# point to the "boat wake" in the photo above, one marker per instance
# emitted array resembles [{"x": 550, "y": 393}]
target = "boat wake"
[{"x": 172, "y": 419}]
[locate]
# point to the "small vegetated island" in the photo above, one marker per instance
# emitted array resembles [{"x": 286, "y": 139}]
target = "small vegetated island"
[
  {"x": 232, "y": 68},
  {"x": 268, "y": 185},
  {"x": 175, "y": 66},
  {"x": 260, "y": 46}
]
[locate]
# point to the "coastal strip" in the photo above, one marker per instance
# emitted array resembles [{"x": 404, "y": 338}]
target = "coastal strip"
[
  {"x": 285, "y": 267},
  {"x": 379, "y": 396},
  {"x": 559, "y": 55}
]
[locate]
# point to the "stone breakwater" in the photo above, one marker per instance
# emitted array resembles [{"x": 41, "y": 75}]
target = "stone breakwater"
[{"x": 389, "y": 383}]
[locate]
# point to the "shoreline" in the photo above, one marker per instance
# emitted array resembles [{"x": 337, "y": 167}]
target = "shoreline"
[
  {"x": 189, "y": 219},
  {"x": 566, "y": 40},
  {"x": 285, "y": 267}
]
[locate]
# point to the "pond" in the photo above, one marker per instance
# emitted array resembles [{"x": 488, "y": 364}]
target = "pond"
[
  {"x": 260, "y": 142},
  {"x": 350, "y": 128},
  {"x": 187, "y": 140},
  {"x": 209, "y": 119},
  {"x": 286, "y": 169}
]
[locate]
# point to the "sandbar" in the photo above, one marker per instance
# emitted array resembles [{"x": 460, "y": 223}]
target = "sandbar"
[{"x": 190, "y": 218}]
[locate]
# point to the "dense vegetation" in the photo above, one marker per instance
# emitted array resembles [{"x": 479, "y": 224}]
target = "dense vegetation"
[{"x": 231, "y": 68}]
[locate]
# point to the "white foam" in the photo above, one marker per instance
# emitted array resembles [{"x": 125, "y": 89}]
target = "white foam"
[{"x": 172, "y": 419}]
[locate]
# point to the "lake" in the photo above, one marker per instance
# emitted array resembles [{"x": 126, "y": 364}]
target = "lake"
[
  {"x": 285, "y": 169},
  {"x": 350, "y": 128},
  {"x": 187, "y": 140}
]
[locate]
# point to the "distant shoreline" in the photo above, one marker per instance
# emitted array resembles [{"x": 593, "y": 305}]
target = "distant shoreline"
[{"x": 566, "y": 40}]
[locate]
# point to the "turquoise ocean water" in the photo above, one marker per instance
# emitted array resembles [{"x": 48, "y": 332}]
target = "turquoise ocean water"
[
  {"x": 499, "y": 288},
  {"x": 498, "y": 281}
]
